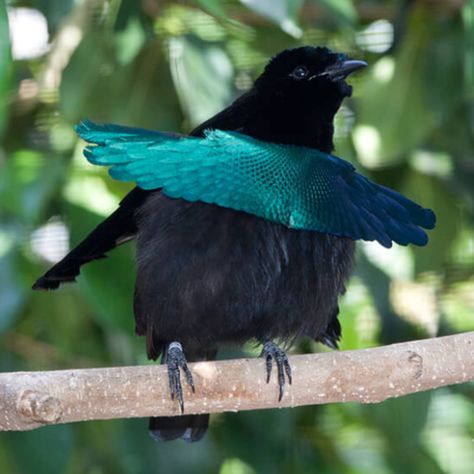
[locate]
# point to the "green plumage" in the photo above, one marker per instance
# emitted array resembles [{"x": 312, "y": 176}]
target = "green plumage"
[{"x": 298, "y": 187}]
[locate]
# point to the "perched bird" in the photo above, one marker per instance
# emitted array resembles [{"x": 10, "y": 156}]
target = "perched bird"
[{"x": 246, "y": 228}]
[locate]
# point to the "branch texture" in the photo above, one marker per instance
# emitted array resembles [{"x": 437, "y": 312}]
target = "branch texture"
[{"x": 32, "y": 399}]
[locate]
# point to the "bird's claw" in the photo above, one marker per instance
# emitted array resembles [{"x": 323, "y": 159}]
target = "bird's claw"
[
  {"x": 271, "y": 352},
  {"x": 175, "y": 360}
]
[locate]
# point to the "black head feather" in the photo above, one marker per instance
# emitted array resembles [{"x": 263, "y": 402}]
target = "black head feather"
[{"x": 302, "y": 72}]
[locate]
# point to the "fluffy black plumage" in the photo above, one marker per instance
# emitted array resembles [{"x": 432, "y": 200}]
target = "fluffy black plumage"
[
  {"x": 229, "y": 277},
  {"x": 208, "y": 275}
]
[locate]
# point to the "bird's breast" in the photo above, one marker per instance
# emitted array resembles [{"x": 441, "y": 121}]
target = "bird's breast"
[{"x": 212, "y": 275}]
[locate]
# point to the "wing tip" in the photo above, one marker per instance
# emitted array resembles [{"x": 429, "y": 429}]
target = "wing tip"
[
  {"x": 429, "y": 219},
  {"x": 84, "y": 126},
  {"x": 46, "y": 283},
  {"x": 385, "y": 242},
  {"x": 414, "y": 236}
]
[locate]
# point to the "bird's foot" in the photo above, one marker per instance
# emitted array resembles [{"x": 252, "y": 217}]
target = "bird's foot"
[
  {"x": 175, "y": 359},
  {"x": 272, "y": 352}
]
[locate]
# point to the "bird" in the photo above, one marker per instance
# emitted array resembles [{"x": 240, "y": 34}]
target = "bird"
[{"x": 245, "y": 228}]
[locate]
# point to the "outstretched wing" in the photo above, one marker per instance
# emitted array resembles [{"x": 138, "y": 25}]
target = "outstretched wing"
[{"x": 299, "y": 187}]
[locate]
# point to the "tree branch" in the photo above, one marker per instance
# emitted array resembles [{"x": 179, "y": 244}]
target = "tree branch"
[{"x": 32, "y": 399}]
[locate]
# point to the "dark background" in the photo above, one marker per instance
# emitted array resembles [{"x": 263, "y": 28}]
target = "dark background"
[{"x": 169, "y": 65}]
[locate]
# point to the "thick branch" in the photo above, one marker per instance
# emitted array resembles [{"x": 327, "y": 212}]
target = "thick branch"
[{"x": 32, "y": 399}]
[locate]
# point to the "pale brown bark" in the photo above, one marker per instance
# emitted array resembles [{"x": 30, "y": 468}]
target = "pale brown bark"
[{"x": 32, "y": 399}]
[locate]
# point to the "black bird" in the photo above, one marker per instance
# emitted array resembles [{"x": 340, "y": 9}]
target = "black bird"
[{"x": 209, "y": 275}]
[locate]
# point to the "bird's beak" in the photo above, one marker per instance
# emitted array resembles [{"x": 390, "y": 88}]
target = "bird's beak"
[{"x": 342, "y": 69}]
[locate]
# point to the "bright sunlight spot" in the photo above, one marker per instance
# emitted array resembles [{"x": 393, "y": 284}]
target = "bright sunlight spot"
[
  {"x": 51, "y": 241},
  {"x": 377, "y": 37},
  {"x": 28, "y": 32},
  {"x": 367, "y": 143}
]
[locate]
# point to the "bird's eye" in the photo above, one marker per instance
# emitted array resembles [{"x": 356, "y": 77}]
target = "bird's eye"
[{"x": 300, "y": 72}]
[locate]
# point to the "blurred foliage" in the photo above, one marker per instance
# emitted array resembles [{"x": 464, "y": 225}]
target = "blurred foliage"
[{"x": 169, "y": 65}]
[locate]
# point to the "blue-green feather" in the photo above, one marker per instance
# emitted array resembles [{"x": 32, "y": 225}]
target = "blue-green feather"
[{"x": 299, "y": 187}]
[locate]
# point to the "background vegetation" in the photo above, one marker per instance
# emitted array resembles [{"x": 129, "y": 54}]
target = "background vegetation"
[{"x": 169, "y": 65}]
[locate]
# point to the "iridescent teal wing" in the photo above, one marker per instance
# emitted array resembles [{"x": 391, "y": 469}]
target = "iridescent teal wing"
[{"x": 298, "y": 187}]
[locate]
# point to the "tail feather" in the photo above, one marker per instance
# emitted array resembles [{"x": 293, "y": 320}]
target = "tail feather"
[
  {"x": 191, "y": 428},
  {"x": 113, "y": 231},
  {"x": 332, "y": 334}
]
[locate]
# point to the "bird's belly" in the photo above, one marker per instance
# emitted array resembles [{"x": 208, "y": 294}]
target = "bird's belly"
[{"x": 209, "y": 275}]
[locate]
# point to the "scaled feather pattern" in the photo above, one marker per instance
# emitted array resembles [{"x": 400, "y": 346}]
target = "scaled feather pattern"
[{"x": 299, "y": 187}]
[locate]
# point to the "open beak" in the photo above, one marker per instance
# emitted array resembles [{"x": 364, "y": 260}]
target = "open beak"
[{"x": 342, "y": 69}]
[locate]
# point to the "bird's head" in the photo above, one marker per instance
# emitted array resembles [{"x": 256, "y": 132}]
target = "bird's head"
[
  {"x": 311, "y": 75},
  {"x": 298, "y": 94}
]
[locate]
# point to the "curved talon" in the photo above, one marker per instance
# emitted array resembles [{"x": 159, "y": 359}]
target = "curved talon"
[
  {"x": 175, "y": 359},
  {"x": 189, "y": 377},
  {"x": 272, "y": 352}
]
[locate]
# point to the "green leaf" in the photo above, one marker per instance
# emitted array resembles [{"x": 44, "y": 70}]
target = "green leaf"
[
  {"x": 401, "y": 419},
  {"x": 437, "y": 195},
  {"x": 12, "y": 292},
  {"x": 468, "y": 20},
  {"x": 94, "y": 82},
  {"x": 394, "y": 328},
  {"x": 342, "y": 11},
  {"x": 129, "y": 41},
  {"x": 32, "y": 451},
  {"x": 203, "y": 77},
  {"x": 27, "y": 182},
  {"x": 106, "y": 284},
  {"x": 87, "y": 85},
  {"x": 54, "y": 10},
  {"x": 108, "y": 287},
  {"x": 6, "y": 67},
  {"x": 401, "y": 422},
  {"x": 407, "y": 95},
  {"x": 214, "y": 7},
  {"x": 282, "y": 12}
]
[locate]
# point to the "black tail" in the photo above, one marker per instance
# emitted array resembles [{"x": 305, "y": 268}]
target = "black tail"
[
  {"x": 188, "y": 427},
  {"x": 332, "y": 334},
  {"x": 116, "y": 229}
]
